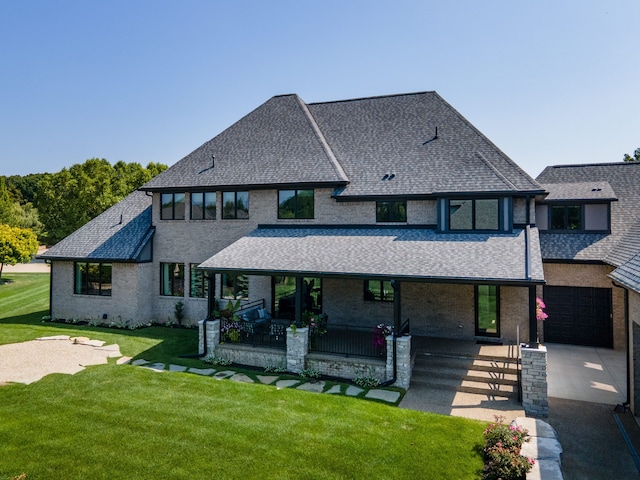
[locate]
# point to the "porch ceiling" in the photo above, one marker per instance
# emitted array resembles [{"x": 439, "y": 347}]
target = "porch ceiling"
[{"x": 419, "y": 254}]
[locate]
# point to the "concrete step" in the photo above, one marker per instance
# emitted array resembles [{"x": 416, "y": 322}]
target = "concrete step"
[
  {"x": 476, "y": 376},
  {"x": 468, "y": 386},
  {"x": 435, "y": 362}
]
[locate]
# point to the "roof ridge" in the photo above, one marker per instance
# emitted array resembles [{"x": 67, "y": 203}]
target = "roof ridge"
[
  {"x": 598, "y": 164},
  {"x": 496, "y": 171},
  {"x": 374, "y": 97},
  {"x": 321, "y": 138}
]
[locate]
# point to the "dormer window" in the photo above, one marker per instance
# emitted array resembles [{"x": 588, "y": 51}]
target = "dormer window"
[
  {"x": 395, "y": 211},
  {"x": 565, "y": 217},
  {"x": 474, "y": 214}
]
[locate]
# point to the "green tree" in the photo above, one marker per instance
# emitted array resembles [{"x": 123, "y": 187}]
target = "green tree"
[
  {"x": 17, "y": 245},
  {"x": 635, "y": 158},
  {"x": 6, "y": 203}
]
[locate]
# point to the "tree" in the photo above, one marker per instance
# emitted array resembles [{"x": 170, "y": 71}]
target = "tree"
[
  {"x": 635, "y": 158},
  {"x": 6, "y": 203},
  {"x": 17, "y": 245}
]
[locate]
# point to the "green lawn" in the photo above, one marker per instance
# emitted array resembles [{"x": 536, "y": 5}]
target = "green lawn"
[{"x": 123, "y": 422}]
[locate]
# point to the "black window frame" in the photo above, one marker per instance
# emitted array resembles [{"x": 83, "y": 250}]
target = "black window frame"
[
  {"x": 234, "y": 216},
  {"x": 206, "y": 213},
  {"x": 174, "y": 288},
  {"x": 199, "y": 283},
  {"x": 378, "y": 294},
  {"x": 175, "y": 214},
  {"x": 394, "y": 215},
  {"x": 477, "y": 308},
  {"x": 297, "y": 208},
  {"x": 81, "y": 286},
  {"x": 565, "y": 217},
  {"x": 474, "y": 215},
  {"x": 236, "y": 287}
]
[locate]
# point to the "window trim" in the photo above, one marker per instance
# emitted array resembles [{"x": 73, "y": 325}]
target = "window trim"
[
  {"x": 391, "y": 211},
  {"x": 380, "y": 295},
  {"x": 162, "y": 281},
  {"x": 296, "y": 210},
  {"x": 204, "y": 205},
  {"x": 499, "y": 213},
  {"x": 173, "y": 205},
  {"x": 107, "y": 293},
  {"x": 235, "y": 204}
]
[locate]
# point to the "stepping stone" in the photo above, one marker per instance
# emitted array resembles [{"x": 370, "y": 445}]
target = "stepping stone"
[
  {"x": 114, "y": 354},
  {"x": 177, "y": 368},
  {"x": 286, "y": 383},
  {"x": 140, "y": 361},
  {"x": 158, "y": 367},
  {"x": 316, "y": 387},
  {"x": 202, "y": 371},
  {"x": 224, "y": 374},
  {"x": 123, "y": 360},
  {"x": 241, "y": 377},
  {"x": 385, "y": 395},
  {"x": 267, "y": 379},
  {"x": 81, "y": 340},
  {"x": 334, "y": 389},
  {"x": 56, "y": 337},
  {"x": 109, "y": 348},
  {"x": 353, "y": 391},
  {"x": 94, "y": 343},
  {"x": 535, "y": 427}
]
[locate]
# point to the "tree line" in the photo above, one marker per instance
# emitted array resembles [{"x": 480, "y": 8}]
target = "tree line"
[{"x": 46, "y": 207}]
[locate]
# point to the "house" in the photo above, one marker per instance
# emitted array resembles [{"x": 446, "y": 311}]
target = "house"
[
  {"x": 390, "y": 210},
  {"x": 587, "y": 224}
]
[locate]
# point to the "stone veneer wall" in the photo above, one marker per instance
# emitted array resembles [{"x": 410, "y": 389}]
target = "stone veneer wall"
[{"x": 534, "y": 381}]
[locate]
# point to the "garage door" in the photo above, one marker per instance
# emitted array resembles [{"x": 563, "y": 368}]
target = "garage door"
[{"x": 578, "y": 316}]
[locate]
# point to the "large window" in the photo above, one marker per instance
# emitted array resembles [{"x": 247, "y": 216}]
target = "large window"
[
  {"x": 474, "y": 214},
  {"x": 203, "y": 206},
  {"x": 378, "y": 291},
  {"x": 172, "y": 279},
  {"x": 172, "y": 206},
  {"x": 295, "y": 204},
  {"x": 391, "y": 211},
  {"x": 565, "y": 217},
  {"x": 234, "y": 287},
  {"x": 235, "y": 205},
  {"x": 93, "y": 279},
  {"x": 487, "y": 310},
  {"x": 198, "y": 286}
]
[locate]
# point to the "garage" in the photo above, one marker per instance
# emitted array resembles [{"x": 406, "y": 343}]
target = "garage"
[{"x": 578, "y": 316}]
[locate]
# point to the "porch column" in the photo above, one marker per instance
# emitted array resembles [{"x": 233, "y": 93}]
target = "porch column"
[
  {"x": 211, "y": 301},
  {"x": 298, "y": 308},
  {"x": 397, "y": 306},
  {"x": 533, "y": 322}
]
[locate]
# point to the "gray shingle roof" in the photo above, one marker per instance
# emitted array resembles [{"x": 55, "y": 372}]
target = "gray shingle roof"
[
  {"x": 415, "y": 253},
  {"x": 285, "y": 141},
  {"x": 616, "y": 248},
  {"x": 579, "y": 191},
  {"x": 107, "y": 237},
  {"x": 628, "y": 274}
]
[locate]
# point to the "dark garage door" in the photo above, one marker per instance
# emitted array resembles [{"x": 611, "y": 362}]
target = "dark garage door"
[{"x": 578, "y": 316}]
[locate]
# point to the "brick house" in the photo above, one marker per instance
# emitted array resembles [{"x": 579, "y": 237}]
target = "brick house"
[{"x": 389, "y": 210}]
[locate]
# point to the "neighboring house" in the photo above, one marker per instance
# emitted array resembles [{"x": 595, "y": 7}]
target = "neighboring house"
[
  {"x": 586, "y": 224},
  {"x": 392, "y": 210}
]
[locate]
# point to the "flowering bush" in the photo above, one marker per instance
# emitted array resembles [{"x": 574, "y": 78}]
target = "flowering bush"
[
  {"x": 230, "y": 331},
  {"x": 502, "y": 459},
  {"x": 540, "y": 315},
  {"x": 380, "y": 334}
]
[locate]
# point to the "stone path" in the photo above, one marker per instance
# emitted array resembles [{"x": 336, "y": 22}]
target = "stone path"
[{"x": 318, "y": 386}]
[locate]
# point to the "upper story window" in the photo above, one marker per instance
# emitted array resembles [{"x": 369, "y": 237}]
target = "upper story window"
[
  {"x": 92, "y": 279},
  {"x": 172, "y": 206},
  {"x": 474, "y": 214},
  {"x": 203, "y": 206},
  {"x": 395, "y": 211},
  {"x": 295, "y": 204},
  {"x": 565, "y": 217},
  {"x": 172, "y": 279},
  {"x": 235, "y": 205},
  {"x": 378, "y": 291}
]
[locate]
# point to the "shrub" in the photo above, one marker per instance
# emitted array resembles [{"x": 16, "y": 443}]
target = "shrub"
[{"x": 502, "y": 459}]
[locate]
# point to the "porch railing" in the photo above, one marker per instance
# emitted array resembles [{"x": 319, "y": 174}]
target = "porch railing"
[
  {"x": 349, "y": 341},
  {"x": 265, "y": 333}
]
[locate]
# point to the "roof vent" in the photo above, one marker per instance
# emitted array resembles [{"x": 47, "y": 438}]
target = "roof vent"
[
  {"x": 596, "y": 189},
  {"x": 385, "y": 176},
  {"x": 388, "y": 176},
  {"x": 392, "y": 176}
]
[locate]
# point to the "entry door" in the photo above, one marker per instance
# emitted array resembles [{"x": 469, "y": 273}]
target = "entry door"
[{"x": 578, "y": 316}]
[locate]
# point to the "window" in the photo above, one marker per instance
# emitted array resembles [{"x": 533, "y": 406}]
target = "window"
[
  {"x": 391, "y": 211},
  {"x": 172, "y": 206},
  {"x": 234, "y": 287},
  {"x": 93, "y": 279},
  {"x": 487, "y": 310},
  {"x": 198, "y": 286},
  {"x": 203, "y": 206},
  {"x": 295, "y": 204},
  {"x": 378, "y": 291},
  {"x": 235, "y": 205},
  {"x": 172, "y": 279},
  {"x": 565, "y": 217},
  {"x": 474, "y": 214}
]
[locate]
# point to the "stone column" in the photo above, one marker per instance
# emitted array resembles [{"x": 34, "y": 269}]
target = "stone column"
[
  {"x": 297, "y": 348},
  {"x": 534, "y": 381},
  {"x": 404, "y": 368},
  {"x": 208, "y": 345}
]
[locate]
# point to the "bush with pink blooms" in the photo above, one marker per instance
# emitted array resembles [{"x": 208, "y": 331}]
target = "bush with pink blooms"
[{"x": 502, "y": 459}]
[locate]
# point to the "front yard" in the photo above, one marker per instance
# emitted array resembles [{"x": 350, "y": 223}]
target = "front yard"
[{"x": 119, "y": 421}]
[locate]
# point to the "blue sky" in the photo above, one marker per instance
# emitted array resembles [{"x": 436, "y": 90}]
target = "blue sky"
[{"x": 548, "y": 81}]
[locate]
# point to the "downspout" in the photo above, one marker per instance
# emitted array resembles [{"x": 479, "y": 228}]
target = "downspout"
[
  {"x": 533, "y": 324},
  {"x": 626, "y": 327},
  {"x": 50, "y": 288}
]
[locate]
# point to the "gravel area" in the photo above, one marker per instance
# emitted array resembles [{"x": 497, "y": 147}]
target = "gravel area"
[{"x": 28, "y": 362}]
